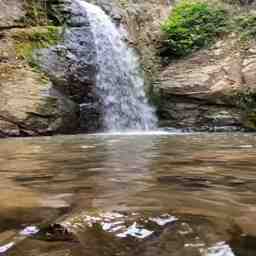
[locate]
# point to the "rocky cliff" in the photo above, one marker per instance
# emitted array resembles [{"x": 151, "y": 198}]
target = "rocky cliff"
[
  {"x": 29, "y": 104},
  {"x": 49, "y": 88},
  {"x": 48, "y": 69},
  {"x": 213, "y": 89},
  {"x": 203, "y": 91}
]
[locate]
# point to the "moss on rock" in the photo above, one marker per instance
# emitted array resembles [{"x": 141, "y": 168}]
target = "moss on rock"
[{"x": 28, "y": 40}]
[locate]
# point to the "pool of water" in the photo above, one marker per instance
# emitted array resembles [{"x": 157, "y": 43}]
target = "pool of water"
[{"x": 207, "y": 181}]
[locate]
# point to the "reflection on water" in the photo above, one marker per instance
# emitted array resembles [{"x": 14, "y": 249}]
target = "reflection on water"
[{"x": 207, "y": 180}]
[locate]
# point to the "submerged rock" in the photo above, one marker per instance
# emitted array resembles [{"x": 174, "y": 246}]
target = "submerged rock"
[{"x": 94, "y": 234}]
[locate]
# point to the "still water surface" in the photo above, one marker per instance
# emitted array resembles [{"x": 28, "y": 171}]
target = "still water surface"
[{"x": 208, "y": 181}]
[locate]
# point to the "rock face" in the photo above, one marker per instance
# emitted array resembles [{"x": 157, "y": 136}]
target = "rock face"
[
  {"x": 29, "y": 104},
  {"x": 201, "y": 91},
  {"x": 33, "y": 109},
  {"x": 11, "y": 13},
  {"x": 143, "y": 19},
  {"x": 71, "y": 65}
]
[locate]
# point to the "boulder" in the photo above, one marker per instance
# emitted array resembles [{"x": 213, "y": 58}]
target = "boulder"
[
  {"x": 29, "y": 105},
  {"x": 202, "y": 91}
]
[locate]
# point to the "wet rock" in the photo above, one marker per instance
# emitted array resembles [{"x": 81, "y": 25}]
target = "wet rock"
[
  {"x": 54, "y": 232},
  {"x": 219, "y": 249},
  {"x": 97, "y": 234},
  {"x": 28, "y": 106},
  {"x": 90, "y": 117},
  {"x": 71, "y": 65}
]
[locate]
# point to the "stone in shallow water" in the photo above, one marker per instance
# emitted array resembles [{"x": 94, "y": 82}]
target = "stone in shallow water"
[
  {"x": 120, "y": 224},
  {"x": 112, "y": 227},
  {"x": 6, "y": 247},
  {"x": 163, "y": 219},
  {"x": 29, "y": 231},
  {"x": 220, "y": 249},
  {"x": 136, "y": 231}
]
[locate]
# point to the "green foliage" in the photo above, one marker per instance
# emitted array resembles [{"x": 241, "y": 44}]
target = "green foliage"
[
  {"x": 28, "y": 40},
  {"x": 245, "y": 25},
  {"x": 193, "y": 25}
]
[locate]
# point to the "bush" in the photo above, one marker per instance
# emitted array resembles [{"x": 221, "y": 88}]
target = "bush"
[
  {"x": 193, "y": 25},
  {"x": 245, "y": 25}
]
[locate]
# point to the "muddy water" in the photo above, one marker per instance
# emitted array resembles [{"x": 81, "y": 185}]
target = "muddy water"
[{"x": 207, "y": 181}]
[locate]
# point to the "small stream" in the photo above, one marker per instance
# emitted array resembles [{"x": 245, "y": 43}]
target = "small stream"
[{"x": 206, "y": 181}]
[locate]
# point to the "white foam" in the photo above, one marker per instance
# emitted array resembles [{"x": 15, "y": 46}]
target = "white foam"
[
  {"x": 29, "y": 231},
  {"x": 6, "y": 247},
  {"x": 220, "y": 249},
  {"x": 163, "y": 220},
  {"x": 138, "y": 133},
  {"x": 135, "y": 231}
]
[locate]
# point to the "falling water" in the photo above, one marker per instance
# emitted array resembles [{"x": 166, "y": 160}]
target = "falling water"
[{"x": 120, "y": 85}]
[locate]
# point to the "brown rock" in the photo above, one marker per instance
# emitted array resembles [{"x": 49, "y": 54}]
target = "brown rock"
[
  {"x": 11, "y": 13},
  {"x": 201, "y": 91},
  {"x": 29, "y": 106}
]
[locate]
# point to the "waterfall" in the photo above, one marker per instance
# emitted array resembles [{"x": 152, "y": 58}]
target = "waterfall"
[{"x": 119, "y": 82}]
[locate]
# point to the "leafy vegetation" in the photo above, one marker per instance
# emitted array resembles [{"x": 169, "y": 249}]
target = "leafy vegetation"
[
  {"x": 245, "y": 25},
  {"x": 193, "y": 25}
]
